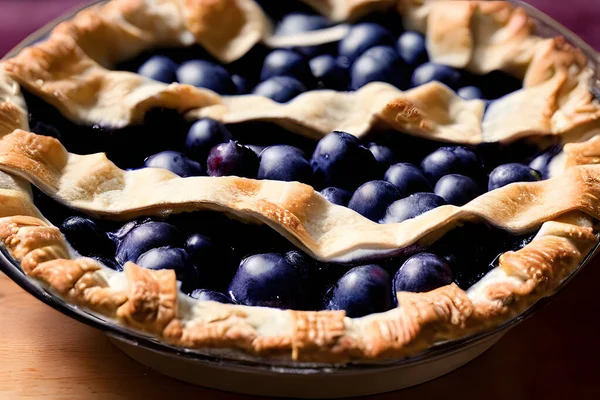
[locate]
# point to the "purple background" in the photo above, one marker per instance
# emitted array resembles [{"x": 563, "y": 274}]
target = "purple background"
[{"x": 19, "y": 18}]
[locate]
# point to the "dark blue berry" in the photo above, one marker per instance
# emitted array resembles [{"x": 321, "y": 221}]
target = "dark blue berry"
[
  {"x": 232, "y": 158},
  {"x": 204, "y": 74},
  {"x": 282, "y": 62},
  {"x": 451, "y": 160},
  {"x": 511, "y": 173},
  {"x": 337, "y": 196},
  {"x": 241, "y": 83},
  {"x": 201, "y": 249},
  {"x": 411, "y": 47},
  {"x": 371, "y": 199},
  {"x": 159, "y": 68},
  {"x": 210, "y": 295},
  {"x": 470, "y": 93},
  {"x": 166, "y": 258},
  {"x": 329, "y": 73},
  {"x": 267, "y": 280},
  {"x": 408, "y": 178},
  {"x": 360, "y": 38},
  {"x": 175, "y": 162},
  {"x": 284, "y": 163},
  {"x": 421, "y": 273},
  {"x": 342, "y": 161},
  {"x": 541, "y": 162},
  {"x": 378, "y": 64},
  {"x": 280, "y": 88},
  {"x": 144, "y": 237},
  {"x": 411, "y": 207},
  {"x": 429, "y": 72},
  {"x": 294, "y": 23},
  {"x": 203, "y": 136},
  {"x": 109, "y": 262},
  {"x": 457, "y": 189},
  {"x": 383, "y": 154},
  {"x": 363, "y": 290},
  {"x": 86, "y": 237},
  {"x": 256, "y": 148}
]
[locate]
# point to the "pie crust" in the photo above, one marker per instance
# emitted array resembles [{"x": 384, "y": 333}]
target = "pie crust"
[{"x": 70, "y": 70}]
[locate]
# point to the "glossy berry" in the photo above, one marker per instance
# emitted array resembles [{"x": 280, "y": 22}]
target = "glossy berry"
[
  {"x": 337, "y": 196},
  {"x": 201, "y": 249},
  {"x": 267, "y": 280},
  {"x": 511, "y": 173},
  {"x": 295, "y": 22},
  {"x": 280, "y": 88},
  {"x": 166, "y": 258},
  {"x": 383, "y": 154},
  {"x": 329, "y": 73},
  {"x": 470, "y": 93},
  {"x": 342, "y": 161},
  {"x": 361, "y": 291},
  {"x": 411, "y": 207},
  {"x": 203, "y": 135},
  {"x": 144, "y": 237},
  {"x": 207, "y": 75},
  {"x": 371, "y": 199},
  {"x": 284, "y": 163},
  {"x": 241, "y": 83},
  {"x": 210, "y": 295},
  {"x": 457, "y": 189},
  {"x": 232, "y": 158},
  {"x": 378, "y": 64},
  {"x": 451, "y": 160},
  {"x": 411, "y": 47},
  {"x": 86, "y": 237},
  {"x": 159, "y": 68},
  {"x": 429, "y": 72},
  {"x": 542, "y": 162},
  {"x": 282, "y": 62},
  {"x": 408, "y": 178},
  {"x": 175, "y": 162},
  {"x": 421, "y": 273},
  {"x": 360, "y": 38}
]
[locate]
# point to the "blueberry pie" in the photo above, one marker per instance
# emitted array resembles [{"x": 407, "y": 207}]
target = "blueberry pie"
[{"x": 317, "y": 180}]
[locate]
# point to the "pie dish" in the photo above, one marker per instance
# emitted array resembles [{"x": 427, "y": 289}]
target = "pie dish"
[{"x": 74, "y": 91}]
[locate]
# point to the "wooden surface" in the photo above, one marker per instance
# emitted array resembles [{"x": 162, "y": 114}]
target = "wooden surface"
[{"x": 553, "y": 355}]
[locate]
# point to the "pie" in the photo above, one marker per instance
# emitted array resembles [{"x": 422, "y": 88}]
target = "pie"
[{"x": 327, "y": 180}]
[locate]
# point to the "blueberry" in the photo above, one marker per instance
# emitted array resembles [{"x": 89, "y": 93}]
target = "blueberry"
[
  {"x": 280, "y": 88},
  {"x": 86, "y": 237},
  {"x": 329, "y": 73},
  {"x": 166, "y": 258},
  {"x": 342, "y": 161},
  {"x": 204, "y": 74},
  {"x": 378, "y": 64},
  {"x": 371, "y": 199},
  {"x": 383, "y": 154},
  {"x": 457, "y": 189},
  {"x": 510, "y": 173},
  {"x": 337, "y": 196},
  {"x": 470, "y": 93},
  {"x": 294, "y": 23},
  {"x": 408, "y": 178},
  {"x": 451, "y": 160},
  {"x": 411, "y": 207},
  {"x": 363, "y": 290},
  {"x": 267, "y": 280},
  {"x": 201, "y": 249},
  {"x": 120, "y": 233},
  {"x": 360, "y": 38},
  {"x": 282, "y": 62},
  {"x": 144, "y": 237},
  {"x": 232, "y": 158},
  {"x": 429, "y": 72},
  {"x": 542, "y": 161},
  {"x": 284, "y": 163},
  {"x": 210, "y": 295},
  {"x": 213, "y": 262},
  {"x": 109, "y": 262},
  {"x": 175, "y": 162},
  {"x": 160, "y": 69},
  {"x": 421, "y": 273},
  {"x": 411, "y": 47},
  {"x": 241, "y": 83},
  {"x": 203, "y": 135}
]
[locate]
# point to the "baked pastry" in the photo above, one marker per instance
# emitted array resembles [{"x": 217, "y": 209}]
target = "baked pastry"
[{"x": 199, "y": 170}]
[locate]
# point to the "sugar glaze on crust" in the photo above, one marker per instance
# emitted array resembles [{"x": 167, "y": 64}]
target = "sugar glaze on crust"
[{"x": 68, "y": 69}]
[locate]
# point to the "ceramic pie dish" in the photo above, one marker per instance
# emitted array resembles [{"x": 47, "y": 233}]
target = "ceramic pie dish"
[{"x": 390, "y": 256}]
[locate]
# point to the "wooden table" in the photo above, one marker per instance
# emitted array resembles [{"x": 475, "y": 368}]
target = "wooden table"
[{"x": 553, "y": 355}]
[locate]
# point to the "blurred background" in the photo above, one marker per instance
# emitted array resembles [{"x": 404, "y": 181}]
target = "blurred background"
[{"x": 19, "y": 18}]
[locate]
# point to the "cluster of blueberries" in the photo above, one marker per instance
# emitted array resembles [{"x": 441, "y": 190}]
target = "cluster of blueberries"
[{"x": 369, "y": 52}]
